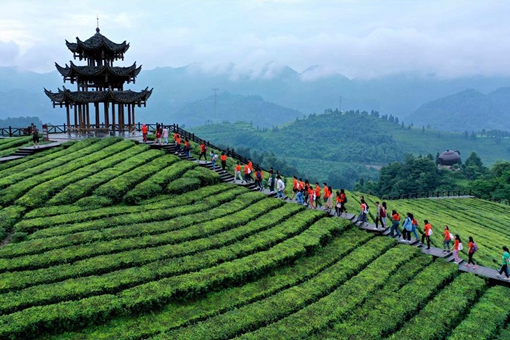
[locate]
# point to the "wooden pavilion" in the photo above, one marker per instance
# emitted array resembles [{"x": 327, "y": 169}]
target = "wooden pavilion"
[{"x": 99, "y": 87}]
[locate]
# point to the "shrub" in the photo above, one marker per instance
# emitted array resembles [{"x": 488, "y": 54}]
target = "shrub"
[
  {"x": 19, "y": 236},
  {"x": 182, "y": 185}
]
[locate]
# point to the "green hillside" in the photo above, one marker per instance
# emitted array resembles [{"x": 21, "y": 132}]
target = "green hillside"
[
  {"x": 341, "y": 148},
  {"x": 113, "y": 240}
]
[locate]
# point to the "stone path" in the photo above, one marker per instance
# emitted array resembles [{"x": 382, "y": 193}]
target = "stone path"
[{"x": 28, "y": 151}]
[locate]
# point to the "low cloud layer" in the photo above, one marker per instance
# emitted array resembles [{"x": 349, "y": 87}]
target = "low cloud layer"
[{"x": 258, "y": 38}]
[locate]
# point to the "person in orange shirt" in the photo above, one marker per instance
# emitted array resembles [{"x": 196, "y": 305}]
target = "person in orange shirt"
[
  {"x": 343, "y": 200},
  {"x": 237, "y": 172},
  {"x": 178, "y": 144},
  {"x": 338, "y": 205},
  {"x": 395, "y": 222},
  {"x": 457, "y": 246},
  {"x": 318, "y": 202},
  {"x": 326, "y": 196},
  {"x": 311, "y": 197},
  {"x": 145, "y": 130},
  {"x": 187, "y": 148},
  {"x": 250, "y": 166},
  {"x": 299, "y": 195},
  {"x": 448, "y": 238},
  {"x": 427, "y": 232},
  {"x": 294, "y": 187},
  {"x": 203, "y": 150},
  {"x": 223, "y": 159},
  {"x": 247, "y": 176}
]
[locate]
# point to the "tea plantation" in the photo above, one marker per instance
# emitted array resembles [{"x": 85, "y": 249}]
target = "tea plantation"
[{"x": 113, "y": 240}]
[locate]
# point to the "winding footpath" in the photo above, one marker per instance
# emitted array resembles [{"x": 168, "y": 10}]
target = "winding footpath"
[{"x": 490, "y": 274}]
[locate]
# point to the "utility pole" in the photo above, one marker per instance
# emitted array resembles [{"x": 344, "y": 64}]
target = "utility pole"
[{"x": 215, "y": 90}]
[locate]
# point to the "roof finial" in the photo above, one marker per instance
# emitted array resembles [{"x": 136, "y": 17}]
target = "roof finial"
[{"x": 97, "y": 28}]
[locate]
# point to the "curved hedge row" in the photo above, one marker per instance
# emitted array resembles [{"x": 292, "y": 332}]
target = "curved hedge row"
[
  {"x": 65, "y": 315},
  {"x": 129, "y": 159},
  {"x": 116, "y": 188},
  {"x": 85, "y": 167},
  {"x": 176, "y": 314},
  {"x": 155, "y": 184}
]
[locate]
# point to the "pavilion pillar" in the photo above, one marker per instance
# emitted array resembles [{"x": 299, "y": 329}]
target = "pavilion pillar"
[
  {"x": 106, "y": 116},
  {"x": 68, "y": 119},
  {"x": 133, "y": 113},
  {"x": 87, "y": 119},
  {"x": 129, "y": 117},
  {"x": 113, "y": 116},
  {"x": 80, "y": 117},
  {"x": 121, "y": 117},
  {"x": 75, "y": 116},
  {"x": 96, "y": 107}
]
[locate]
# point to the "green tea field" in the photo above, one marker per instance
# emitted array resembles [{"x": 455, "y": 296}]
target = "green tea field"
[{"x": 110, "y": 239}]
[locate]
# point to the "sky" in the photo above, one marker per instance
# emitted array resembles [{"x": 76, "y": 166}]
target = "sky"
[{"x": 363, "y": 39}]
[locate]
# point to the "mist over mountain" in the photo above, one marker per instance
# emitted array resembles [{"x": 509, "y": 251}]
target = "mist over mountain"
[
  {"x": 468, "y": 110},
  {"x": 310, "y": 91}
]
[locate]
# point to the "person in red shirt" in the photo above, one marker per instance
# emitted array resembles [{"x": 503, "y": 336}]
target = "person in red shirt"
[
  {"x": 472, "y": 248},
  {"x": 427, "y": 232},
  {"x": 457, "y": 246},
  {"x": 247, "y": 176},
  {"x": 318, "y": 202},
  {"x": 338, "y": 205},
  {"x": 395, "y": 219},
  {"x": 327, "y": 194},
  {"x": 250, "y": 167},
  {"x": 237, "y": 172},
  {"x": 145, "y": 130},
  {"x": 223, "y": 159},
  {"x": 294, "y": 187},
  {"x": 448, "y": 238},
  {"x": 203, "y": 150},
  {"x": 311, "y": 197},
  {"x": 187, "y": 148}
]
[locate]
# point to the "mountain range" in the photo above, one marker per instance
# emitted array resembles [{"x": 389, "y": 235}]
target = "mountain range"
[
  {"x": 468, "y": 110},
  {"x": 178, "y": 90}
]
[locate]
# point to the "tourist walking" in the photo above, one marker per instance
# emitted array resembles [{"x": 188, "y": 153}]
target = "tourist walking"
[
  {"x": 380, "y": 214},
  {"x": 318, "y": 202},
  {"x": 187, "y": 148},
  {"x": 177, "y": 144},
  {"x": 223, "y": 160},
  {"x": 473, "y": 247},
  {"x": 363, "y": 213},
  {"x": 384, "y": 213},
  {"x": 35, "y": 136},
  {"x": 165, "y": 135},
  {"x": 407, "y": 227},
  {"x": 203, "y": 151},
  {"x": 299, "y": 194},
  {"x": 259, "y": 178},
  {"x": 145, "y": 130},
  {"x": 311, "y": 197},
  {"x": 343, "y": 201},
  {"x": 395, "y": 222},
  {"x": 447, "y": 239},
  {"x": 457, "y": 246},
  {"x": 415, "y": 228},
  {"x": 214, "y": 157},
  {"x": 237, "y": 172},
  {"x": 247, "y": 171},
  {"x": 158, "y": 136},
  {"x": 504, "y": 262},
  {"x": 294, "y": 187},
  {"x": 427, "y": 232},
  {"x": 338, "y": 204},
  {"x": 280, "y": 187}
]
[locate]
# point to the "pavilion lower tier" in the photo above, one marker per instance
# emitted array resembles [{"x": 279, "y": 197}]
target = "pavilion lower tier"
[{"x": 105, "y": 116}]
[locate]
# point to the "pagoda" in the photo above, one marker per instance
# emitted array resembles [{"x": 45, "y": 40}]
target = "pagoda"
[{"x": 99, "y": 87}]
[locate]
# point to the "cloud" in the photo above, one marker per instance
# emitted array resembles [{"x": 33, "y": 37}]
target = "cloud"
[{"x": 9, "y": 52}]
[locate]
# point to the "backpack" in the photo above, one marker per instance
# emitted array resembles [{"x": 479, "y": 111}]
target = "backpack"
[
  {"x": 259, "y": 175},
  {"x": 475, "y": 247},
  {"x": 345, "y": 200},
  {"x": 367, "y": 209}
]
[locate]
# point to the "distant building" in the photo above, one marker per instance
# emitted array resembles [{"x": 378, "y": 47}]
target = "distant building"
[{"x": 449, "y": 158}]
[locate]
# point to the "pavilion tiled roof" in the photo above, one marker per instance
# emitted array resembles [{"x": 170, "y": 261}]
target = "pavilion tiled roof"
[
  {"x": 125, "y": 97},
  {"x": 75, "y": 70},
  {"x": 97, "y": 42}
]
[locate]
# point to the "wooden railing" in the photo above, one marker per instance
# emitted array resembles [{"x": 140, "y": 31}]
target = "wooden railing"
[{"x": 429, "y": 194}]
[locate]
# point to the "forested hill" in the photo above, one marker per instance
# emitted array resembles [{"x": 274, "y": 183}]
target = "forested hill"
[
  {"x": 468, "y": 110},
  {"x": 341, "y": 148},
  {"x": 230, "y": 107}
]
